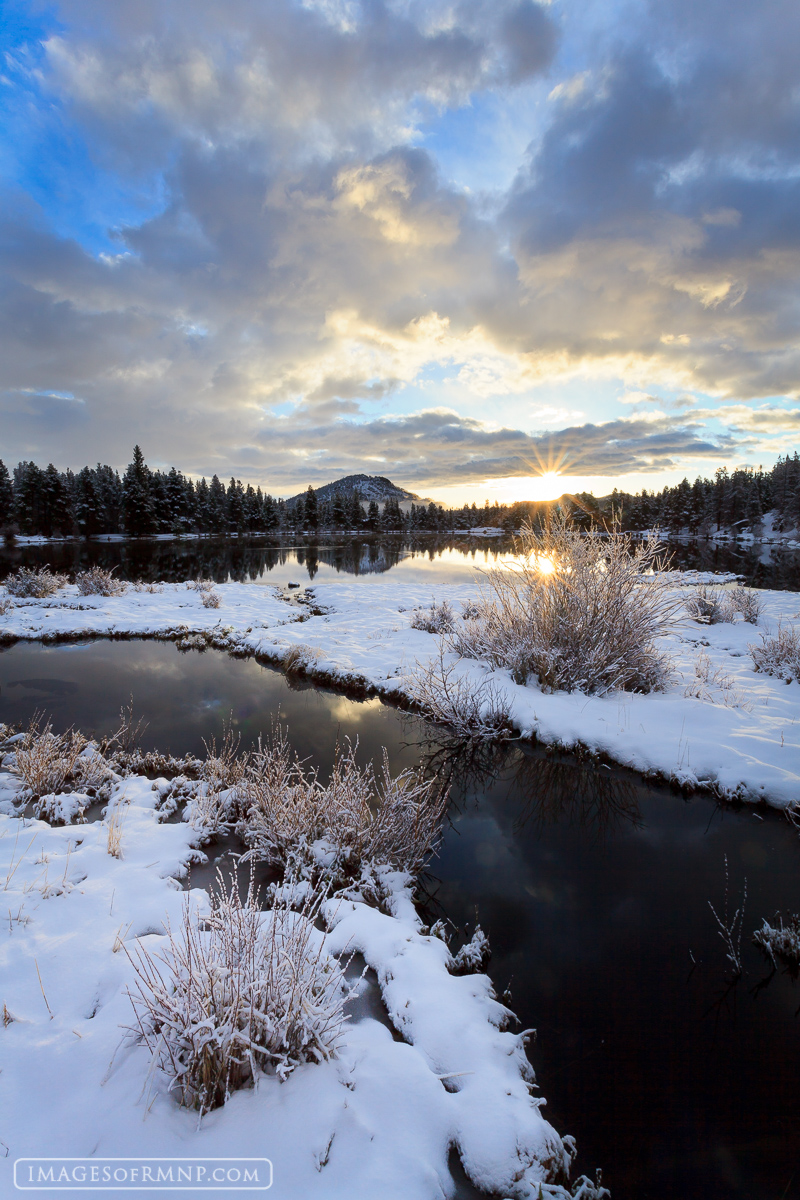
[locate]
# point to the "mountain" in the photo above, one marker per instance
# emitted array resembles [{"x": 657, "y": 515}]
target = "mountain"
[{"x": 369, "y": 487}]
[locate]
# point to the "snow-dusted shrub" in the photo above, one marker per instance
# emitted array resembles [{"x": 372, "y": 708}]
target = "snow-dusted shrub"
[
  {"x": 476, "y": 711},
  {"x": 152, "y": 588},
  {"x": 98, "y": 582},
  {"x": 746, "y": 603},
  {"x": 354, "y": 823},
  {"x": 237, "y": 994},
  {"x": 716, "y": 605},
  {"x": 578, "y": 613},
  {"x": 50, "y": 764},
  {"x": 439, "y": 618},
  {"x": 6, "y": 604},
  {"x": 200, "y": 585},
  {"x": 708, "y": 606},
  {"x": 779, "y": 653},
  {"x": 780, "y": 941},
  {"x": 38, "y": 583},
  {"x": 210, "y": 599}
]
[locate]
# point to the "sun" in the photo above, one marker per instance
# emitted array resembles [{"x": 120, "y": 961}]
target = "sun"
[{"x": 548, "y": 486}]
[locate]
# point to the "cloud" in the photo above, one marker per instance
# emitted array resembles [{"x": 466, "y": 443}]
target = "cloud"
[
  {"x": 439, "y": 446},
  {"x": 308, "y": 260},
  {"x": 764, "y": 419}
]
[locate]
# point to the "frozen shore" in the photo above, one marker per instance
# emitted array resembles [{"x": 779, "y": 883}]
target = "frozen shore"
[
  {"x": 720, "y": 724},
  {"x": 425, "y": 1067}
]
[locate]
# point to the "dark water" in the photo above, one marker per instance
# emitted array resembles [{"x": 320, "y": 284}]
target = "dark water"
[
  {"x": 257, "y": 559},
  {"x": 593, "y": 888}
]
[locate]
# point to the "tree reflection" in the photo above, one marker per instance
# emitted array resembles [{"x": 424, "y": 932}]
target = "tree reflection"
[{"x": 544, "y": 789}]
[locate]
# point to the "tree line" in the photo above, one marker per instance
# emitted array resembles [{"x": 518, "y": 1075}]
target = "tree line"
[{"x": 142, "y": 502}]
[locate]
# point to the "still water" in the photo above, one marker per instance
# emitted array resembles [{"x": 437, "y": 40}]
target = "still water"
[
  {"x": 593, "y": 887},
  {"x": 259, "y": 560}
]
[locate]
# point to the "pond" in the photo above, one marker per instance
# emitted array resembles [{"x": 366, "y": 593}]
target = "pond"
[
  {"x": 592, "y": 886},
  {"x": 261, "y": 560}
]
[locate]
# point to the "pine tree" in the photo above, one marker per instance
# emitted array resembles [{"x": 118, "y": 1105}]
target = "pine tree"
[
  {"x": 311, "y": 508},
  {"x": 6, "y": 496},
  {"x": 137, "y": 502}
]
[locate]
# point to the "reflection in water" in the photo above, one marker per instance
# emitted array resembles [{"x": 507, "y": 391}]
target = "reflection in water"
[
  {"x": 254, "y": 559},
  {"x": 551, "y": 790}
]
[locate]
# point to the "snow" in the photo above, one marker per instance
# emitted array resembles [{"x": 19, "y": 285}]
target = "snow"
[
  {"x": 720, "y": 725},
  {"x": 378, "y": 1120}
]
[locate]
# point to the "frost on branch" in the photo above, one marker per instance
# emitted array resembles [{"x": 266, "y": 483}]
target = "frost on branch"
[{"x": 237, "y": 994}]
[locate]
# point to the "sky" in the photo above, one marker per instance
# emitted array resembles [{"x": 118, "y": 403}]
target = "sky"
[{"x": 487, "y": 248}]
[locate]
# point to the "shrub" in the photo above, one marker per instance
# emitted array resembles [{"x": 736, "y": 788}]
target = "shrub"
[
  {"x": 439, "y": 618},
  {"x": 778, "y": 654},
  {"x": 477, "y": 712},
  {"x": 25, "y": 582},
  {"x": 6, "y": 604},
  {"x": 707, "y": 605},
  {"x": 210, "y": 599},
  {"x": 50, "y": 763},
  {"x": 715, "y": 606},
  {"x": 745, "y": 602},
  {"x": 98, "y": 582},
  {"x": 237, "y": 994},
  {"x": 578, "y": 612},
  {"x": 354, "y": 823}
]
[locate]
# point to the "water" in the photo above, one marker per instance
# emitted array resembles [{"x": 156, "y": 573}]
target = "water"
[
  {"x": 593, "y": 888},
  {"x": 259, "y": 560}
]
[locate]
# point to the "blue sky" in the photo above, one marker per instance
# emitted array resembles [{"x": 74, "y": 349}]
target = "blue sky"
[{"x": 452, "y": 243}]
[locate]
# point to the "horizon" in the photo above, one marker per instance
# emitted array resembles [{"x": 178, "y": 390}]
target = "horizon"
[{"x": 492, "y": 250}]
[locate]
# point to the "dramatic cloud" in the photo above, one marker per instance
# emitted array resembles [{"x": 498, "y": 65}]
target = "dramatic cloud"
[{"x": 257, "y": 248}]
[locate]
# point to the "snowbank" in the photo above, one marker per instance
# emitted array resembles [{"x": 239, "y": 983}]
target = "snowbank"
[
  {"x": 720, "y": 725},
  {"x": 379, "y": 1120}
]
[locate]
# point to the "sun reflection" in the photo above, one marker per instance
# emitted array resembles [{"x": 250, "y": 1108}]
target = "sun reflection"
[{"x": 544, "y": 565}]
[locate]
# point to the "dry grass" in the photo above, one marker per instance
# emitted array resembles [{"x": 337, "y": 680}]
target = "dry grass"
[
  {"x": 6, "y": 605},
  {"x": 115, "y": 821},
  {"x": 210, "y": 599},
  {"x": 237, "y": 994},
  {"x": 26, "y": 582},
  {"x": 711, "y": 684},
  {"x": 779, "y": 653},
  {"x": 50, "y": 763},
  {"x": 355, "y": 822},
  {"x": 577, "y": 613},
  {"x": 98, "y": 582},
  {"x": 298, "y": 658}
]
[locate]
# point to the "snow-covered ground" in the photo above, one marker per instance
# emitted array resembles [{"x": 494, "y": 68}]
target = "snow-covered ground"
[
  {"x": 378, "y": 1120},
  {"x": 720, "y": 724}
]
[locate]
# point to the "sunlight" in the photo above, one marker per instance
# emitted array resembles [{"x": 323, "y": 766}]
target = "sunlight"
[
  {"x": 544, "y": 565},
  {"x": 548, "y": 486}
]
